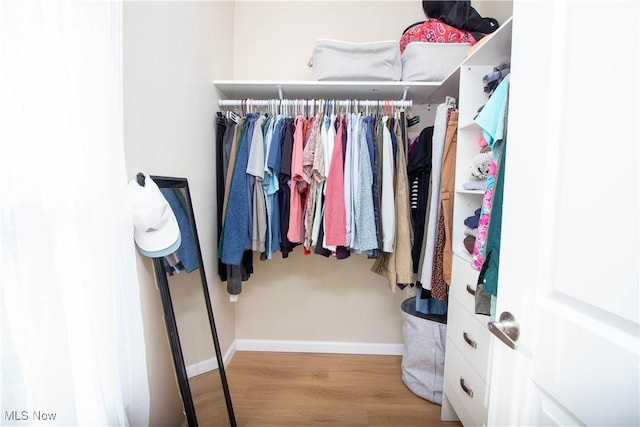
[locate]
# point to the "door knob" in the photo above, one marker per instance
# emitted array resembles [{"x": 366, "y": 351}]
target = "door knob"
[{"x": 507, "y": 329}]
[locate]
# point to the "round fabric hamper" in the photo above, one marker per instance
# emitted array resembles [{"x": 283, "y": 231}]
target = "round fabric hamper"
[{"x": 423, "y": 354}]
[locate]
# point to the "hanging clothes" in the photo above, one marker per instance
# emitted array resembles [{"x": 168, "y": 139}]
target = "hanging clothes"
[
  {"x": 299, "y": 184},
  {"x": 442, "y": 261},
  {"x": 255, "y": 168},
  {"x": 335, "y": 211},
  {"x": 309, "y": 155},
  {"x": 221, "y": 128},
  {"x": 419, "y": 170},
  {"x": 236, "y": 226},
  {"x": 387, "y": 207},
  {"x": 397, "y": 265},
  {"x": 271, "y": 185},
  {"x": 233, "y": 274},
  {"x": 365, "y": 225},
  {"x": 334, "y": 183},
  {"x": 492, "y": 121},
  {"x": 284, "y": 192},
  {"x": 438, "y": 141}
]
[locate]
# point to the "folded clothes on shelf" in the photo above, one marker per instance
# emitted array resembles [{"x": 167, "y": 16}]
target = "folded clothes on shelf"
[
  {"x": 469, "y": 242},
  {"x": 468, "y": 231},
  {"x": 473, "y": 220},
  {"x": 493, "y": 79},
  {"x": 475, "y": 184}
]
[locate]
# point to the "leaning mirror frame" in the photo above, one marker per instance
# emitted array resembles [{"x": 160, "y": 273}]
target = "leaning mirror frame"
[{"x": 169, "y": 314}]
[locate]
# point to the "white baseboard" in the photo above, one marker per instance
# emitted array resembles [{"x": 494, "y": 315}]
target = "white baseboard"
[
  {"x": 286, "y": 346},
  {"x": 211, "y": 364},
  {"x": 318, "y": 347}
]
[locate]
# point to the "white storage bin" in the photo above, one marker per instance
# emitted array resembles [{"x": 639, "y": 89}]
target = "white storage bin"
[
  {"x": 431, "y": 62},
  {"x": 369, "y": 61}
]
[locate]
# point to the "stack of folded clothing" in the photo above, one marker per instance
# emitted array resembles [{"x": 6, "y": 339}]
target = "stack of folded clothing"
[
  {"x": 471, "y": 230},
  {"x": 493, "y": 79}
]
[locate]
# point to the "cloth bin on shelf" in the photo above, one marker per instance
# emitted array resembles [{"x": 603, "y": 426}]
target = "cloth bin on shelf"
[
  {"x": 368, "y": 61},
  {"x": 423, "y": 354},
  {"x": 431, "y": 62}
]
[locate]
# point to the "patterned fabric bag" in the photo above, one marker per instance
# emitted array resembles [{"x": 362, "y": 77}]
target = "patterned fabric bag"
[{"x": 434, "y": 31}]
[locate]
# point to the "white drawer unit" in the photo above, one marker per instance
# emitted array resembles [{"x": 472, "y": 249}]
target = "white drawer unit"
[
  {"x": 465, "y": 390},
  {"x": 463, "y": 283},
  {"x": 469, "y": 333}
]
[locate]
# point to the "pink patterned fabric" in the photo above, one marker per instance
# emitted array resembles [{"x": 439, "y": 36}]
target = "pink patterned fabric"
[
  {"x": 485, "y": 216},
  {"x": 435, "y": 31}
]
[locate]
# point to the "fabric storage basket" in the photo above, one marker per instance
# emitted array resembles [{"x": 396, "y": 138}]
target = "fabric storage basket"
[
  {"x": 431, "y": 62},
  {"x": 425, "y": 337},
  {"x": 340, "y": 60}
]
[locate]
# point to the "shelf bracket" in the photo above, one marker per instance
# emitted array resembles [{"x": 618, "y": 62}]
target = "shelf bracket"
[
  {"x": 404, "y": 95},
  {"x": 280, "y": 92}
]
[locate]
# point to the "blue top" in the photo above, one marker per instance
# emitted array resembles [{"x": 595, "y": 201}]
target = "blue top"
[
  {"x": 236, "y": 224},
  {"x": 186, "y": 252}
]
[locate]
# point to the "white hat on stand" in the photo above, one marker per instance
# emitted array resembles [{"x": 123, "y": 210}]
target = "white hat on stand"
[{"x": 155, "y": 228}]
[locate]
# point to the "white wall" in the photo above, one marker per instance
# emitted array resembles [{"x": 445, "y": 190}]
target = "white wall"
[
  {"x": 172, "y": 53},
  {"x": 274, "y": 39}
]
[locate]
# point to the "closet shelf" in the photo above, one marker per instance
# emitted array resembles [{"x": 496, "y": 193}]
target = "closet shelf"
[
  {"x": 495, "y": 49},
  {"x": 469, "y": 126},
  {"x": 464, "y": 191},
  {"x": 418, "y": 92},
  {"x": 462, "y": 253}
]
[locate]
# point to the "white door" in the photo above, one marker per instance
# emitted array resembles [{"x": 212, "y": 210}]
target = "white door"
[{"x": 570, "y": 237}]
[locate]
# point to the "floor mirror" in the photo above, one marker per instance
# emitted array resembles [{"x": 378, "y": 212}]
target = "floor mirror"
[{"x": 214, "y": 408}]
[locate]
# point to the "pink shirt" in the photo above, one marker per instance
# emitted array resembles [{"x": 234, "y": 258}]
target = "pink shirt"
[
  {"x": 299, "y": 185},
  {"x": 335, "y": 231}
]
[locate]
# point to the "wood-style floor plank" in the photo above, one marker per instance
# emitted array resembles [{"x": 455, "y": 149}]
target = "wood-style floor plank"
[{"x": 304, "y": 389}]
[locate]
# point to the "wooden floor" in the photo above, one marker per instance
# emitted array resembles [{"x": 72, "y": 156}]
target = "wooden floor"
[{"x": 302, "y": 389}]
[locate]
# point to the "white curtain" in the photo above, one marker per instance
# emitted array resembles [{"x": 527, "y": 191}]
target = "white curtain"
[{"x": 70, "y": 316}]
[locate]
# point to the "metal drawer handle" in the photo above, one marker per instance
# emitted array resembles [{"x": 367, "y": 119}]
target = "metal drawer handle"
[
  {"x": 469, "y": 341},
  {"x": 471, "y": 290},
  {"x": 465, "y": 388}
]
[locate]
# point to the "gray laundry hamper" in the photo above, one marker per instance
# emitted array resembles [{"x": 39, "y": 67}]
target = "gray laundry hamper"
[{"x": 423, "y": 354}]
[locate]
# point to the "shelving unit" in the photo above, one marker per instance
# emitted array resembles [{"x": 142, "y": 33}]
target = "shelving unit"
[{"x": 468, "y": 348}]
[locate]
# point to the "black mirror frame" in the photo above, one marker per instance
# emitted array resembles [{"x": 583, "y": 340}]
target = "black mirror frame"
[{"x": 170, "y": 319}]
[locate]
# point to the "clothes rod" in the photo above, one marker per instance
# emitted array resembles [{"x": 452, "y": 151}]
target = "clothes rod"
[{"x": 317, "y": 102}]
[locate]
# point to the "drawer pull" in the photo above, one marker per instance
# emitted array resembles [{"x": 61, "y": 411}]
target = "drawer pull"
[
  {"x": 471, "y": 290},
  {"x": 469, "y": 341},
  {"x": 465, "y": 388}
]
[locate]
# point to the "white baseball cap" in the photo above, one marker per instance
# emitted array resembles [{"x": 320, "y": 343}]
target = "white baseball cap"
[{"x": 155, "y": 228}]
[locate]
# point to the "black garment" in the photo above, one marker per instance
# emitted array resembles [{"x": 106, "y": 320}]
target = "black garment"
[
  {"x": 419, "y": 171},
  {"x": 284, "y": 192},
  {"x": 319, "y": 249},
  {"x": 462, "y": 15},
  {"x": 239, "y": 273},
  {"x": 221, "y": 126}
]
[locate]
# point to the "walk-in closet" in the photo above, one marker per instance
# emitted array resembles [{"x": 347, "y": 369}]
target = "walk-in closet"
[{"x": 212, "y": 217}]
